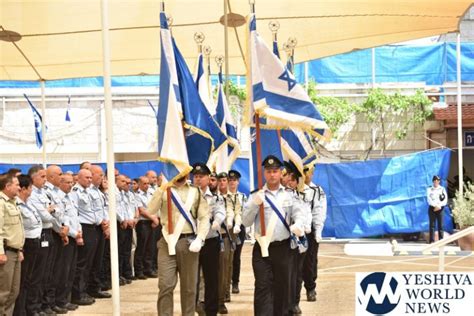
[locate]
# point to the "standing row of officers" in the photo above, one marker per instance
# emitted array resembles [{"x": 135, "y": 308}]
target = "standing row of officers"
[{"x": 55, "y": 230}]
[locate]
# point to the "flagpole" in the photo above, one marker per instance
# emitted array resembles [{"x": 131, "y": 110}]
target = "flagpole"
[
  {"x": 257, "y": 122},
  {"x": 43, "y": 118},
  {"x": 459, "y": 114},
  {"x": 110, "y": 159},
  {"x": 226, "y": 48}
]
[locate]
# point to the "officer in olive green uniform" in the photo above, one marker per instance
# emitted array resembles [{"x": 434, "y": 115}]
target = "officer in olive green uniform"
[
  {"x": 12, "y": 238},
  {"x": 187, "y": 244}
]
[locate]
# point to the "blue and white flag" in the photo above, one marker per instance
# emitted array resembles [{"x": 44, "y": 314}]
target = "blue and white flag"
[
  {"x": 203, "y": 86},
  {"x": 296, "y": 146},
  {"x": 171, "y": 143},
  {"x": 225, "y": 158},
  {"x": 38, "y": 123},
  {"x": 276, "y": 94},
  {"x": 68, "y": 117},
  {"x": 203, "y": 135}
]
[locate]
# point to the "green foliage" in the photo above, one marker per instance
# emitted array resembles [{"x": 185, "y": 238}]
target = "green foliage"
[
  {"x": 416, "y": 108},
  {"x": 463, "y": 211},
  {"x": 335, "y": 111}
]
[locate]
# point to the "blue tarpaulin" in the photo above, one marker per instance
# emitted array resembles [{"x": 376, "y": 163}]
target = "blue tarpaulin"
[
  {"x": 369, "y": 198},
  {"x": 383, "y": 196}
]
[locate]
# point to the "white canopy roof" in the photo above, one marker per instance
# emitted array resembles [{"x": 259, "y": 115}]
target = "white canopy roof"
[{"x": 62, "y": 39}]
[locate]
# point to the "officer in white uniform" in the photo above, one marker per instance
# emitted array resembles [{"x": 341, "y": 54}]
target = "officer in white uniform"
[{"x": 437, "y": 200}]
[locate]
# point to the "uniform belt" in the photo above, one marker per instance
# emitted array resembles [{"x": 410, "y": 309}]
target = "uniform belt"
[
  {"x": 10, "y": 249},
  {"x": 185, "y": 235}
]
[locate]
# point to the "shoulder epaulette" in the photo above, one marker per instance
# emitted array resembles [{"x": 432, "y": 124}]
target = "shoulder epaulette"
[{"x": 75, "y": 188}]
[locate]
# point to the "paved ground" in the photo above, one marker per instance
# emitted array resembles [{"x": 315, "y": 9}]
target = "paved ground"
[{"x": 336, "y": 283}]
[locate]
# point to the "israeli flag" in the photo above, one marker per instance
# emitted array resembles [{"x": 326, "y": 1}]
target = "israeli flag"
[
  {"x": 203, "y": 86},
  {"x": 203, "y": 135},
  {"x": 296, "y": 146},
  {"x": 38, "y": 122},
  {"x": 276, "y": 94},
  {"x": 225, "y": 158},
  {"x": 68, "y": 117},
  {"x": 171, "y": 143}
]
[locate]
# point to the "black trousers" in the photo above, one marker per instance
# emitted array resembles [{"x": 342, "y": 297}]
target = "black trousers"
[
  {"x": 95, "y": 283},
  {"x": 143, "y": 263},
  {"x": 310, "y": 265},
  {"x": 300, "y": 259},
  {"x": 436, "y": 217},
  {"x": 85, "y": 258},
  {"x": 272, "y": 279},
  {"x": 28, "y": 300},
  {"x": 154, "y": 252},
  {"x": 209, "y": 263},
  {"x": 105, "y": 271},
  {"x": 48, "y": 291},
  {"x": 237, "y": 254},
  {"x": 67, "y": 257},
  {"x": 125, "y": 237}
]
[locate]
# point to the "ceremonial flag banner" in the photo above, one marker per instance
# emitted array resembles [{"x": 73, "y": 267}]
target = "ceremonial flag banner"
[
  {"x": 171, "y": 143},
  {"x": 226, "y": 158},
  {"x": 202, "y": 84},
  {"x": 203, "y": 135},
  {"x": 68, "y": 117},
  {"x": 38, "y": 121},
  {"x": 276, "y": 94}
]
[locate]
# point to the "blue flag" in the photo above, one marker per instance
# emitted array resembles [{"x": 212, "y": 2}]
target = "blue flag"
[
  {"x": 38, "y": 121},
  {"x": 203, "y": 135},
  {"x": 171, "y": 142},
  {"x": 68, "y": 118}
]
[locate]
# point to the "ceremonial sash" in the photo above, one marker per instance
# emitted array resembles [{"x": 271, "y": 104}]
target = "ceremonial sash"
[{"x": 185, "y": 216}]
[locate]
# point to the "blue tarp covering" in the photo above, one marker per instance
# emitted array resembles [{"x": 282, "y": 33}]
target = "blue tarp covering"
[
  {"x": 383, "y": 196},
  {"x": 432, "y": 64},
  {"x": 368, "y": 198}
]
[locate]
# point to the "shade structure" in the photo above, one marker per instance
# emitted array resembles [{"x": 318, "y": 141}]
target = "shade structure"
[{"x": 62, "y": 39}]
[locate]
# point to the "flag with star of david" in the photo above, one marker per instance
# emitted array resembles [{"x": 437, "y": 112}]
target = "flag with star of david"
[
  {"x": 276, "y": 94},
  {"x": 172, "y": 149},
  {"x": 38, "y": 123}
]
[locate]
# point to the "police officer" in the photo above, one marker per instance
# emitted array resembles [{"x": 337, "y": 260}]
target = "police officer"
[
  {"x": 226, "y": 256},
  {"x": 437, "y": 200},
  {"x": 209, "y": 254},
  {"x": 238, "y": 231},
  {"x": 272, "y": 273},
  {"x": 99, "y": 206},
  {"x": 28, "y": 300},
  {"x": 189, "y": 243},
  {"x": 143, "y": 261},
  {"x": 46, "y": 208},
  {"x": 131, "y": 209},
  {"x": 122, "y": 223},
  {"x": 12, "y": 238},
  {"x": 85, "y": 254},
  {"x": 295, "y": 182},
  {"x": 155, "y": 182},
  {"x": 68, "y": 252},
  {"x": 313, "y": 195},
  {"x": 60, "y": 238},
  {"x": 213, "y": 182}
]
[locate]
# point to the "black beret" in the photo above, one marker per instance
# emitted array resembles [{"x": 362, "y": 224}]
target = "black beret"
[
  {"x": 222, "y": 175},
  {"x": 200, "y": 168},
  {"x": 271, "y": 162},
  {"x": 234, "y": 174},
  {"x": 436, "y": 178}
]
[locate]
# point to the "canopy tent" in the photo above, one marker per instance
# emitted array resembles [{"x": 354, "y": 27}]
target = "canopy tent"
[{"x": 62, "y": 39}]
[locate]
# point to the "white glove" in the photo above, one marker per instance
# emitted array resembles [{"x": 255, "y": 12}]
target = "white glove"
[
  {"x": 318, "y": 236},
  {"x": 215, "y": 225},
  {"x": 236, "y": 229},
  {"x": 307, "y": 229},
  {"x": 295, "y": 229},
  {"x": 229, "y": 224},
  {"x": 196, "y": 245},
  {"x": 259, "y": 197}
]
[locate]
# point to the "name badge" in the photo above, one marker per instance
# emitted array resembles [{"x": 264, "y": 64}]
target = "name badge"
[{"x": 44, "y": 244}]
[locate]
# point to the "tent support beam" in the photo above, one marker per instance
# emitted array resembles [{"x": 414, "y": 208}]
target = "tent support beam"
[
  {"x": 43, "y": 123},
  {"x": 459, "y": 112},
  {"x": 110, "y": 158}
]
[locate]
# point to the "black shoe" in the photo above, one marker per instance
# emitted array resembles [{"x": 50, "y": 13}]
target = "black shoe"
[
  {"x": 227, "y": 298},
  {"x": 82, "y": 301},
  {"x": 152, "y": 275},
  {"x": 59, "y": 310},
  {"x": 141, "y": 277},
  {"x": 311, "y": 296},
  {"x": 200, "y": 308},
  {"x": 296, "y": 310},
  {"x": 235, "y": 289},
  {"x": 222, "y": 309},
  {"x": 107, "y": 286},
  {"x": 48, "y": 311},
  {"x": 128, "y": 281},
  {"x": 100, "y": 294},
  {"x": 69, "y": 306}
]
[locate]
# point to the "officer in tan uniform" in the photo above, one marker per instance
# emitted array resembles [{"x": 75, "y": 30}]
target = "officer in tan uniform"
[
  {"x": 12, "y": 238},
  {"x": 178, "y": 250}
]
